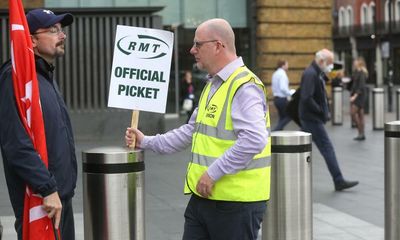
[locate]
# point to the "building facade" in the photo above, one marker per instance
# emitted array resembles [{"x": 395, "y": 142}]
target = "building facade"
[
  {"x": 266, "y": 30},
  {"x": 369, "y": 28},
  {"x": 27, "y": 3},
  {"x": 291, "y": 30}
]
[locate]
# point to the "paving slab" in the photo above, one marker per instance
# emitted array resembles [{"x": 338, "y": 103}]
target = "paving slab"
[{"x": 355, "y": 214}]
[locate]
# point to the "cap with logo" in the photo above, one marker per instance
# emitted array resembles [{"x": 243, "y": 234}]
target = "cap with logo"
[{"x": 42, "y": 18}]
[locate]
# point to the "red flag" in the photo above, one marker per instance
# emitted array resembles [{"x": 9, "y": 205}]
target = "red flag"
[{"x": 36, "y": 224}]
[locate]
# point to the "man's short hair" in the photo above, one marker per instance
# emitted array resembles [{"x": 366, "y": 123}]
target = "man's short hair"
[{"x": 280, "y": 63}]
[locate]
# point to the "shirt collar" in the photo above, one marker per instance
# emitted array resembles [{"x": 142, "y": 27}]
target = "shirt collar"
[{"x": 227, "y": 71}]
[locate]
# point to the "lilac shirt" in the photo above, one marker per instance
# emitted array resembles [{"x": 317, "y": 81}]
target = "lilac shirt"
[{"x": 248, "y": 110}]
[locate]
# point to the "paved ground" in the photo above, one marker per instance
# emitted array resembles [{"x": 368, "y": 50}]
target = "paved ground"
[{"x": 356, "y": 214}]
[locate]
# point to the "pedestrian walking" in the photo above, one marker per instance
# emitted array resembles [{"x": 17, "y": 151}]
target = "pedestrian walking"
[
  {"x": 228, "y": 174},
  {"x": 22, "y": 164},
  {"x": 314, "y": 113},
  {"x": 358, "y": 95},
  {"x": 281, "y": 92}
]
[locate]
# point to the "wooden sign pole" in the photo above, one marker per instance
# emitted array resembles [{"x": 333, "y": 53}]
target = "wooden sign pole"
[{"x": 134, "y": 124}]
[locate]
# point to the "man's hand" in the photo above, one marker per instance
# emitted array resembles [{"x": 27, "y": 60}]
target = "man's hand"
[
  {"x": 129, "y": 136},
  {"x": 205, "y": 185},
  {"x": 52, "y": 205}
]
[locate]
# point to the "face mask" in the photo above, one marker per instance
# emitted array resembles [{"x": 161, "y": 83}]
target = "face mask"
[{"x": 327, "y": 69}]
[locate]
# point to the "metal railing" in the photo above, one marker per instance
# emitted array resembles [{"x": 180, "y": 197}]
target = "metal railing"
[
  {"x": 83, "y": 73},
  {"x": 366, "y": 29}
]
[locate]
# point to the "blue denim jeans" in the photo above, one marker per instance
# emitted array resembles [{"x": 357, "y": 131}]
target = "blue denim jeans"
[{"x": 324, "y": 145}]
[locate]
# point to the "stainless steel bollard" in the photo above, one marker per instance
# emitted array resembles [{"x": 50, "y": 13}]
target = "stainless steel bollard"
[
  {"x": 113, "y": 194},
  {"x": 289, "y": 210},
  {"x": 398, "y": 104},
  {"x": 337, "y": 106},
  {"x": 392, "y": 180},
  {"x": 378, "y": 110}
]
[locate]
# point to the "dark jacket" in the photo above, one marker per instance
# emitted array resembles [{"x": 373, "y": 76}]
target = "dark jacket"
[
  {"x": 359, "y": 80},
  {"x": 22, "y": 164},
  {"x": 313, "y": 104}
]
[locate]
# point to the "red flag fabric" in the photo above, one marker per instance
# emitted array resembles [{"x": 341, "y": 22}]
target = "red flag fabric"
[{"x": 36, "y": 224}]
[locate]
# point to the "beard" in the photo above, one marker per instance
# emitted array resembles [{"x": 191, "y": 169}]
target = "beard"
[{"x": 60, "y": 49}]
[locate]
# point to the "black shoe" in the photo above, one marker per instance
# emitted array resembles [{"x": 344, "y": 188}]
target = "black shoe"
[
  {"x": 339, "y": 186},
  {"x": 359, "y": 138}
]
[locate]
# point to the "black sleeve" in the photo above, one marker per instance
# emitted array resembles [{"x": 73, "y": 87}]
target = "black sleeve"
[
  {"x": 308, "y": 88},
  {"x": 17, "y": 147},
  {"x": 361, "y": 83}
]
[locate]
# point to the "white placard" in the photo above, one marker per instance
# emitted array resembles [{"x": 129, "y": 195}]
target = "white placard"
[{"x": 141, "y": 68}]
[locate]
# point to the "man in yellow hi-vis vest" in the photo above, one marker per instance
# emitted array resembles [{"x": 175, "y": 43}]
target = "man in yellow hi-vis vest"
[{"x": 228, "y": 174}]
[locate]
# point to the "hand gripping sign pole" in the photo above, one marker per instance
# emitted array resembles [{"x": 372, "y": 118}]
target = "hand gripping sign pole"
[
  {"x": 113, "y": 177},
  {"x": 134, "y": 124}
]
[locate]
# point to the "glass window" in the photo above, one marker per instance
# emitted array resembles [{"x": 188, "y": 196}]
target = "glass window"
[
  {"x": 171, "y": 14},
  {"x": 342, "y": 17},
  {"x": 130, "y": 3},
  {"x": 61, "y": 3},
  {"x": 195, "y": 12},
  {"x": 364, "y": 13},
  {"x": 188, "y": 12},
  {"x": 371, "y": 13},
  {"x": 397, "y": 10},
  {"x": 235, "y": 12},
  {"x": 349, "y": 16},
  {"x": 387, "y": 11}
]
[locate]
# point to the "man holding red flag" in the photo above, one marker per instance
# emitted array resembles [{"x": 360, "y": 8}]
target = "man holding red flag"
[{"x": 33, "y": 118}]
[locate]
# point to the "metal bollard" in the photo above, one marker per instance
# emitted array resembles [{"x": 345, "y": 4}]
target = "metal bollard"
[
  {"x": 113, "y": 194},
  {"x": 289, "y": 210},
  {"x": 398, "y": 104},
  {"x": 337, "y": 106},
  {"x": 378, "y": 110},
  {"x": 392, "y": 180},
  {"x": 367, "y": 98}
]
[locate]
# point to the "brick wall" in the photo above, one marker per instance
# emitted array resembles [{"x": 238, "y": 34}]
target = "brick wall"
[
  {"x": 27, "y": 4},
  {"x": 293, "y": 30}
]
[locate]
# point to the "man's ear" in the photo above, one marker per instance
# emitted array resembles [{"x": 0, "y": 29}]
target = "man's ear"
[{"x": 34, "y": 41}]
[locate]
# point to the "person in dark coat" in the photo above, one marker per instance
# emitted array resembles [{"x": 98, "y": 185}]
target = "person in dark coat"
[
  {"x": 314, "y": 113},
  {"x": 358, "y": 96},
  {"x": 22, "y": 163}
]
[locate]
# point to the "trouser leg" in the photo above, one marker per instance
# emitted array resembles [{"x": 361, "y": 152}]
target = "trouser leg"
[
  {"x": 67, "y": 225},
  {"x": 324, "y": 145},
  {"x": 221, "y": 220}
]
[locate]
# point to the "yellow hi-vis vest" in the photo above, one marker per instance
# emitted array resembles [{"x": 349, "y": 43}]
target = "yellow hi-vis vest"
[{"x": 214, "y": 135}]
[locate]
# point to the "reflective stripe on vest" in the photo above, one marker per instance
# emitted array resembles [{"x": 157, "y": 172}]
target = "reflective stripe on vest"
[{"x": 214, "y": 135}]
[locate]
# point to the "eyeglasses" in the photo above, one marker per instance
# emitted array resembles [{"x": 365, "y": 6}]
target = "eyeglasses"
[
  {"x": 198, "y": 44},
  {"x": 52, "y": 30}
]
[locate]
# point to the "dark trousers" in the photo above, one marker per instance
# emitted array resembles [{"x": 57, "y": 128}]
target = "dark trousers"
[
  {"x": 67, "y": 227},
  {"x": 280, "y": 104},
  {"x": 221, "y": 220},
  {"x": 324, "y": 145}
]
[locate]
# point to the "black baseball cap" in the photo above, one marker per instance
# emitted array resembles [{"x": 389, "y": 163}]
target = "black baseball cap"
[{"x": 43, "y": 18}]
